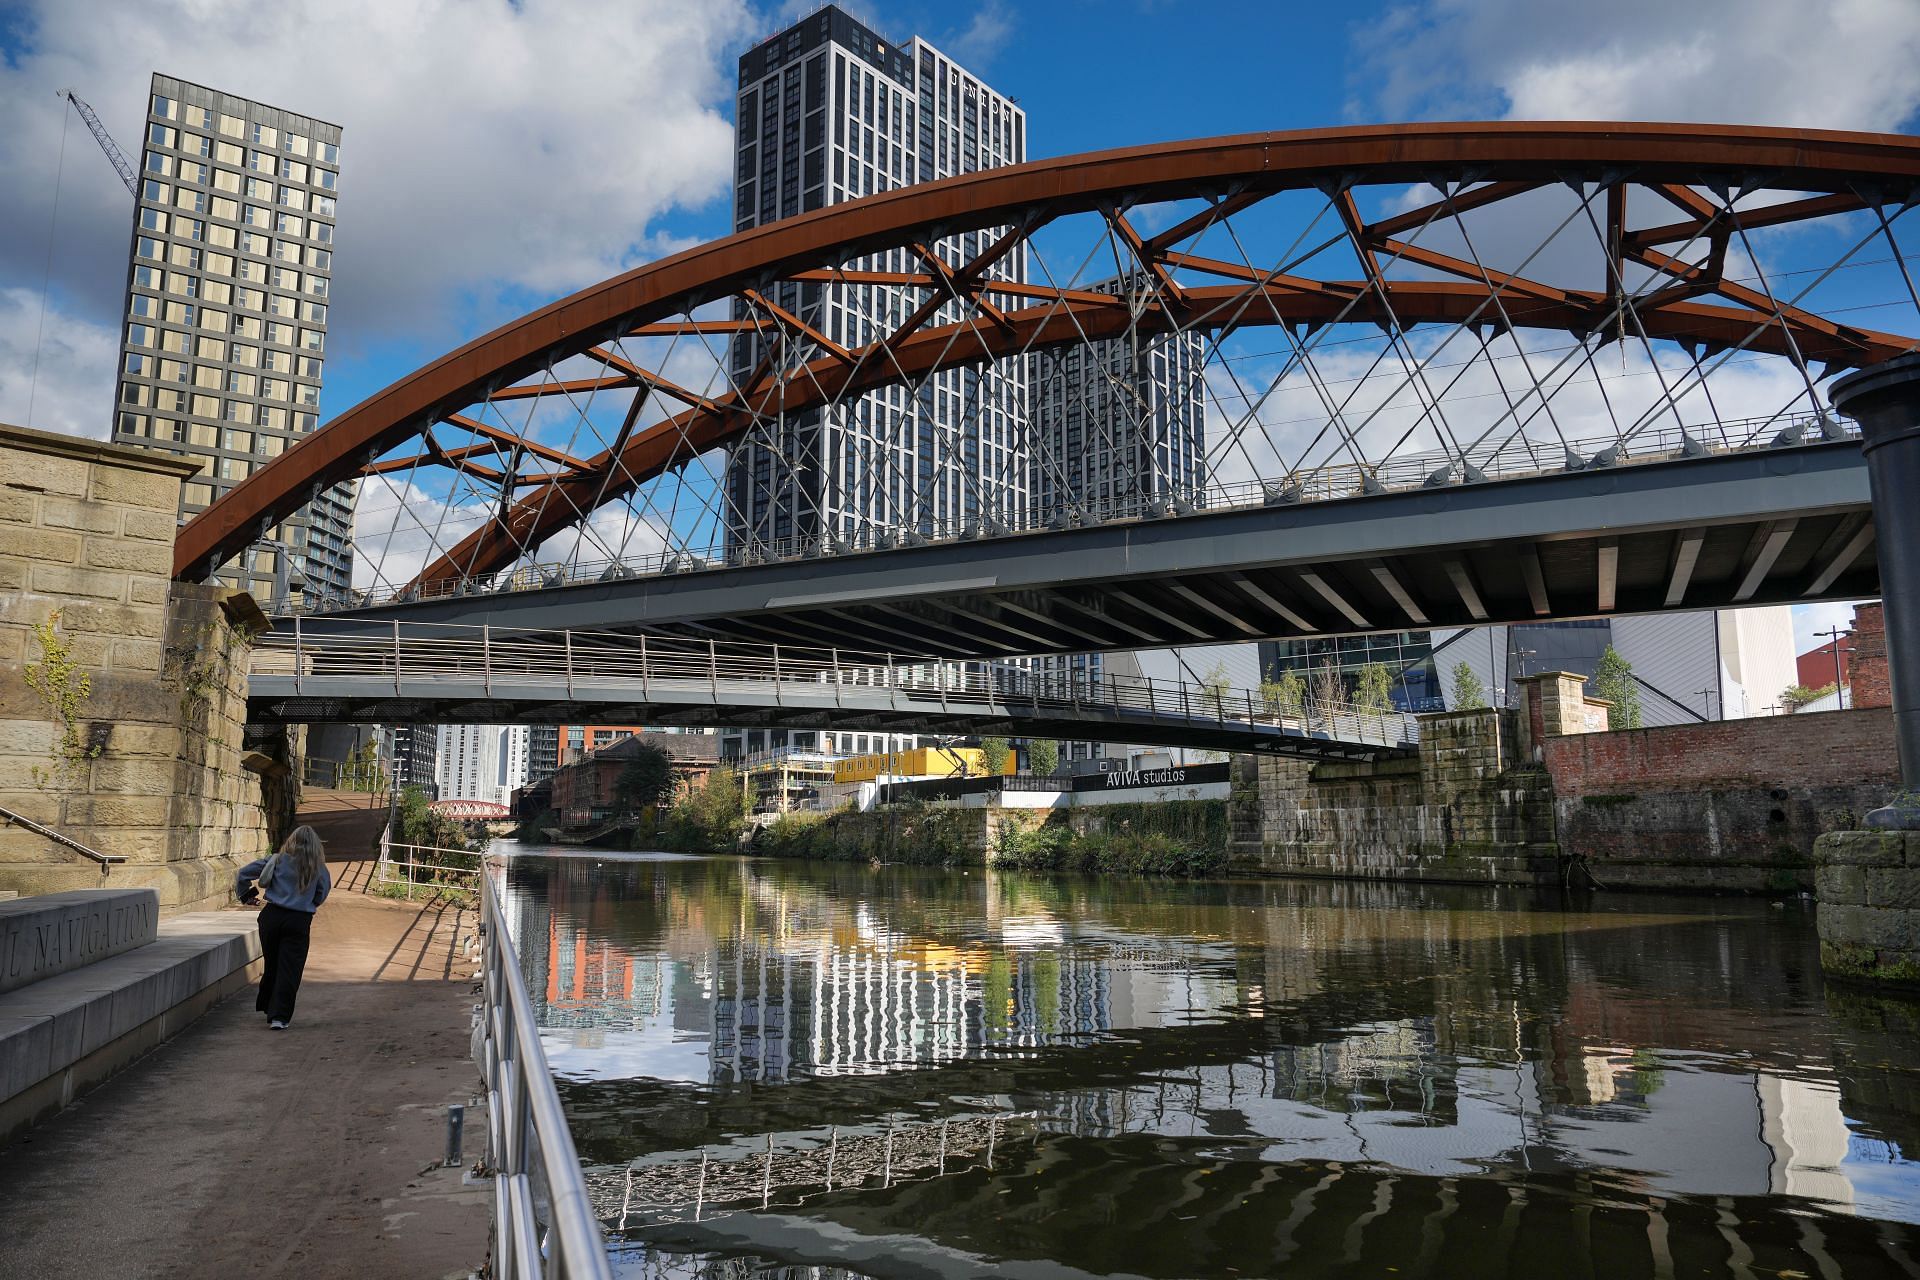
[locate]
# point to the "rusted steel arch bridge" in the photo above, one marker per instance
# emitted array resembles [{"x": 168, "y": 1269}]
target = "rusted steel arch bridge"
[{"x": 1429, "y": 433}]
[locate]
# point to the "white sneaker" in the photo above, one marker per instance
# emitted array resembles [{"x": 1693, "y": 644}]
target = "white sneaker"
[{"x": 276, "y": 1026}]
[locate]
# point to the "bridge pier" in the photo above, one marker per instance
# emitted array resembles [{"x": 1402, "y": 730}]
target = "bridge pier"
[
  {"x": 1885, "y": 400},
  {"x": 1868, "y": 882},
  {"x": 122, "y": 694}
]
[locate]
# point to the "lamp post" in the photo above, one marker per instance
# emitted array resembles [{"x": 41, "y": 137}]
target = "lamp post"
[{"x": 1839, "y": 677}]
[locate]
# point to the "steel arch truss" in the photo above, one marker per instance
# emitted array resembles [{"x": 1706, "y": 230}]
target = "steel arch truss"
[{"x": 1316, "y": 314}]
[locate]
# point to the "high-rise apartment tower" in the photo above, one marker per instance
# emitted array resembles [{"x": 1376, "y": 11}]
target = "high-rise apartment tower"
[
  {"x": 830, "y": 111},
  {"x": 226, "y": 331}
]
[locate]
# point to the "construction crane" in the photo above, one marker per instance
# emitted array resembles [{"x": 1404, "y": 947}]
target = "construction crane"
[{"x": 105, "y": 140}]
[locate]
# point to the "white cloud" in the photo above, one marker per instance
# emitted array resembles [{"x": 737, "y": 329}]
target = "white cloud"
[
  {"x": 398, "y": 525},
  {"x": 1845, "y": 64},
  {"x": 982, "y": 38},
  {"x": 487, "y": 145},
  {"x": 71, "y": 389}
]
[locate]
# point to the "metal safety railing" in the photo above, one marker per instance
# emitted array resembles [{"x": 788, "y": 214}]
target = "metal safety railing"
[
  {"x": 424, "y": 867},
  {"x": 1512, "y": 458},
  {"x": 320, "y": 656},
  {"x": 107, "y": 861},
  {"x": 544, "y": 1223}
]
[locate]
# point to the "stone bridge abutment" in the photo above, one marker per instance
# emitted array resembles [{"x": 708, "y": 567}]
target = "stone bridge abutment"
[{"x": 122, "y": 693}]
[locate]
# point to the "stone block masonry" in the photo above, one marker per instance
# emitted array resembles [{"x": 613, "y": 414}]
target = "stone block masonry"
[
  {"x": 1869, "y": 892},
  {"x": 57, "y": 932},
  {"x": 1534, "y": 796},
  {"x": 1464, "y": 810},
  {"x": 122, "y": 693}
]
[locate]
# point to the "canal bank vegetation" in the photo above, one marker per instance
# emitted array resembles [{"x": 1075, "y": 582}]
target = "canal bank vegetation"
[
  {"x": 916, "y": 834},
  {"x": 439, "y": 854},
  {"x": 1183, "y": 838},
  {"x": 709, "y": 818}
]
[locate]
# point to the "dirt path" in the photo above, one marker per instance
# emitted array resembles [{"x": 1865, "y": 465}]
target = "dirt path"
[{"x": 236, "y": 1151}]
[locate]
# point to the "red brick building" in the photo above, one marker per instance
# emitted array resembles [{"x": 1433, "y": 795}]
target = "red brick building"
[
  {"x": 577, "y": 741},
  {"x": 586, "y": 792},
  {"x": 1815, "y": 666}
]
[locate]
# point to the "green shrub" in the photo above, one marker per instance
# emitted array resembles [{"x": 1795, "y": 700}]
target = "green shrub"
[
  {"x": 1178, "y": 838},
  {"x": 916, "y": 834},
  {"x": 709, "y": 818}
]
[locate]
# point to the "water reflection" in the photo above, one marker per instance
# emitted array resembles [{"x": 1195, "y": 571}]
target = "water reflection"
[{"x": 1248, "y": 1078}]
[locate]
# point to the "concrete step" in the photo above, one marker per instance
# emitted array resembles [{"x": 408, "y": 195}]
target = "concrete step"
[
  {"x": 52, "y": 933},
  {"x": 65, "y": 1034}
]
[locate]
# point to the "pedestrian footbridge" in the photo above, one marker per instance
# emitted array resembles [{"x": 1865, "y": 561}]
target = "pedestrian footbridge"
[{"x": 310, "y": 670}]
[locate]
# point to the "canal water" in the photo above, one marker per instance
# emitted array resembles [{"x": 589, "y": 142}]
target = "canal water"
[{"x": 828, "y": 1071}]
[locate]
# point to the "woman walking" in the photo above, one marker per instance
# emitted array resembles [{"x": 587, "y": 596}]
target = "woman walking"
[{"x": 295, "y": 882}]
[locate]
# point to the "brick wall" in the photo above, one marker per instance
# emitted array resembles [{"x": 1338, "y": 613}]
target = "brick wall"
[
  {"x": 1734, "y": 805},
  {"x": 1869, "y": 670},
  {"x": 146, "y": 762},
  {"x": 1814, "y": 749}
]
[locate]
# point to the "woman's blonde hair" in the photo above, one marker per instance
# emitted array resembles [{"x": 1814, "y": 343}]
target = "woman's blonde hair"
[{"x": 303, "y": 849}]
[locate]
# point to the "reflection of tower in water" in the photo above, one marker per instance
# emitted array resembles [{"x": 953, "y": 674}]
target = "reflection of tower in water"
[{"x": 838, "y": 1009}]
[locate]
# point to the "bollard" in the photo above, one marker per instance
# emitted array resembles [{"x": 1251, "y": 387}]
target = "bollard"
[{"x": 456, "y": 1124}]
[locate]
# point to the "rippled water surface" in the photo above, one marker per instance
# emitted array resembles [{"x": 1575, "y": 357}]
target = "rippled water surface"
[{"x": 813, "y": 1070}]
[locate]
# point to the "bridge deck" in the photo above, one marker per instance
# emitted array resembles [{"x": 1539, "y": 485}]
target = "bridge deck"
[
  {"x": 1765, "y": 526},
  {"x": 341, "y": 673}
]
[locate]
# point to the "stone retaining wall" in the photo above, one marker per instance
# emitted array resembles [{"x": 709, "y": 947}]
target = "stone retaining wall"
[
  {"x": 1464, "y": 810},
  {"x": 1514, "y": 797},
  {"x": 1869, "y": 892},
  {"x": 143, "y": 759}
]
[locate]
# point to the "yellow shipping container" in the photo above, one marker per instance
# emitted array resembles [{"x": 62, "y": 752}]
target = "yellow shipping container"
[{"x": 921, "y": 762}]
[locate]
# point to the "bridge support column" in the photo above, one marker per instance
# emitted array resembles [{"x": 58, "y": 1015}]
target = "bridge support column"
[
  {"x": 1885, "y": 399},
  {"x": 1868, "y": 882}
]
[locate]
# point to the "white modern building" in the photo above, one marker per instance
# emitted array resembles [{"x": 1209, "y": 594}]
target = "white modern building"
[
  {"x": 830, "y": 111},
  {"x": 1726, "y": 664},
  {"x": 481, "y": 761}
]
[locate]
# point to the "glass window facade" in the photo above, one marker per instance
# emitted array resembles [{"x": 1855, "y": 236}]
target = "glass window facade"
[{"x": 1408, "y": 655}]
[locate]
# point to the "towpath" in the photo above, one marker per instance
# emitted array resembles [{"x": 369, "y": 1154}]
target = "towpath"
[{"x": 233, "y": 1150}]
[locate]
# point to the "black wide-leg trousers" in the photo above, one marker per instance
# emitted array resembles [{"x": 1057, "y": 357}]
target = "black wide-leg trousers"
[{"x": 283, "y": 944}]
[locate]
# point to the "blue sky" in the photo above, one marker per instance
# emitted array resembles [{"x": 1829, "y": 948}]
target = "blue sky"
[{"x": 498, "y": 154}]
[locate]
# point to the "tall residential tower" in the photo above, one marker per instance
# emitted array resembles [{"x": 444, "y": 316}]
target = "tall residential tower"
[
  {"x": 226, "y": 329},
  {"x": 829, "y": 111}
]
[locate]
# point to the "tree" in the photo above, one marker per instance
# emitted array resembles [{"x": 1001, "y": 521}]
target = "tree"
[
  {"x": 647, "y": 779},
  {"x": 710, "y": 816},
  {"x": 1468, "y": 693},
  {"x": 1215, "y": 687},
  {"x": 997, "y": 752},
  {"x": 1374, "y": 689},
  {"x": 1796, "y": 696},
  {"x": 361, "y": 770},
  {"x": 1282, "y": 692},
  {"x": 1043, "y": 756},
  {"x": 1613, "y": 681},
  {"x": 1328, "y": 688},
  {"x": 415, "y": 823}
]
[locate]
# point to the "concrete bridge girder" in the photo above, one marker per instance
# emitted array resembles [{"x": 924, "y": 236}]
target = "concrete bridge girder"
[{"x": 1780, "y": 526}]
